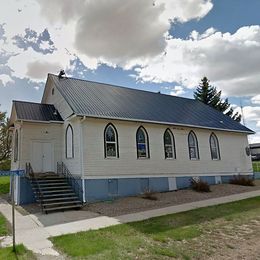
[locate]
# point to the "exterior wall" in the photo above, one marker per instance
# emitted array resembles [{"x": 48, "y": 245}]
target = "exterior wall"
[
  {"x": 73, "y": 164},
  {"x": 232, "y": 151},
  {"x": 57, "y": 100},
  {"x": 29, "y": 132}
]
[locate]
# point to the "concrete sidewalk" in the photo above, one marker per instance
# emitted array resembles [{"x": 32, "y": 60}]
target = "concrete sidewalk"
[
  {"x": 28, "y": 232},
  {"x": 101, "y": 222},
  {"x": 31, "y": 232}
]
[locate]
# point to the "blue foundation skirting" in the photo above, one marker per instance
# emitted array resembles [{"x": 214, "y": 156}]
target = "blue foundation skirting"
[{"x": 109, "y": 189}]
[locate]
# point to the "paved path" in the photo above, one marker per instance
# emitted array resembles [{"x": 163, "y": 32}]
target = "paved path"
[
  {"x": 28, "y": 232},
  {"x": 34, "y": 235}
]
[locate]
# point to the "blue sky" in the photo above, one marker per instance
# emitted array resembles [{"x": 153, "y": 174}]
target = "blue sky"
[{"x": 156, "y": 45}]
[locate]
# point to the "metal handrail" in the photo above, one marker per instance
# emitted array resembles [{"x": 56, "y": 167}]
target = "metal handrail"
[
  {"x": 31, "y": 175},
  {"x": 64, "y": 171}
]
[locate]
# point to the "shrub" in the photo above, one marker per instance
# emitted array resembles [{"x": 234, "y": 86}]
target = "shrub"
[
  {"x": 149, "y": 195},
  {"x": 200, "y": 185},
  {"x": 5, "y": 165},
  {"x": 242, "y": 180}
]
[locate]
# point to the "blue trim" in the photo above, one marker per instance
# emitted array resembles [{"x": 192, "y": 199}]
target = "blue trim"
[
  {"x": 183, "y": 182},
  {"x": 209, "y": 179},
  {"x": 257, "y": 175},
  {"x": 26, "y": 195}
]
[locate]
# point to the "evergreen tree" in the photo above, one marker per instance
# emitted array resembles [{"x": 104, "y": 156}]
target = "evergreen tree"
[
  {"x": 210, "y": 96},
  {"x": 5, "y": 138}
]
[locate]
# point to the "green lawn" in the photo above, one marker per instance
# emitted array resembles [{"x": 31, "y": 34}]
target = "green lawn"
[
  {"x": 256, "y": 166},
  {"x": 4, "y": 228},
  {"x": 158, "y": 238},
  {"x": 21, "y": 253},
  {"x": 4, "y": 184}
]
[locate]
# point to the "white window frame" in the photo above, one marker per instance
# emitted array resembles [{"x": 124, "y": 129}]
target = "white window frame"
[
  {"x": 195, "y": 146},
  {"x": 172, "y": 145},
  {"x": 106, "y": 142},
  {"x": 146, "y": 143},
  {"x": 16, "y": 146},
  {"x": 69, "y": 150},
  {"x": 214, "y": 137}
]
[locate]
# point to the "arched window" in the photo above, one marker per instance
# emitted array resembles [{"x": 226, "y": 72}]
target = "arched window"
[
  {"x": 16, "y": 146},
  {"x": 169, "y": 145},
  {"x": 214, "y": 147},
  {"x": 111, "y": 142},
  {"x": 142, "y": 143},
  {"x": 193, "y": 146},
  {"x": 69, "y": 140}
]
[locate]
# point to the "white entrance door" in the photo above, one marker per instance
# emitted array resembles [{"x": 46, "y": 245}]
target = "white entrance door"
[{"x": 42, "y": 157}]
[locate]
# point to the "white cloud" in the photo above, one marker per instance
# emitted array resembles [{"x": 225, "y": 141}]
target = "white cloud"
[
  {"x": 230, "y": 61},
  {"x": 177, "y": 91},
  {"x": 123, "y": 33},
  {"x": 185, "y": 10},
  {"x": 39, "y": 69},
  {"x": 256, "y": 99},
  {"x": 5, "y": 79}
]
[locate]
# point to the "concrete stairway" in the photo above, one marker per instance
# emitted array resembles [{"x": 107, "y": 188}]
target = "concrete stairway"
[{"x": 54, "y": 193}]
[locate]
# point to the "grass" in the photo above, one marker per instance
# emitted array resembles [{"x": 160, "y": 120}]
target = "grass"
[
  {"x": 256, "y": 166},
  {"x": 4, "y": 184},
  {"x": 21, "y": 253},
  {"x": 156, "y": 238},
  {"x": 4, "y": 226}
]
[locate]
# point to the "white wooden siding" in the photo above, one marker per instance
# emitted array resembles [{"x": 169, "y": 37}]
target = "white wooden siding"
[
  {"x": 73, "y": 164},
  {"x": 38, "y": 132},
  {"x": 232, "y": 152},
  {"x": 57, "y": 100}
]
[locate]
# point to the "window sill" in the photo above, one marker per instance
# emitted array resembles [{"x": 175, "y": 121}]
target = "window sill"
[{"x": 111, "y": 158}]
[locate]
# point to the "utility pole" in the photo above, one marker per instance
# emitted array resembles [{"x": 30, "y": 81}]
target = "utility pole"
[{"x": 13, "y": 211}]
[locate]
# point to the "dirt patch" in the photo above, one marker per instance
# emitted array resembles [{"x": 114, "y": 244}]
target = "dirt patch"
[{"x": 129, "y": 205}]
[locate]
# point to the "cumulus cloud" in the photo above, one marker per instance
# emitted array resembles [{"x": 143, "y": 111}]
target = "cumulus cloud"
[
  {"x": 5, "y": 79},
  {"x": 38, "y": 42},
  {"x": 256, "y": 99},
  {"x": 185, "y": 10},
  {"x": 123, "y": 33},
  {"x": 39, "y": 69},
  {"x": 177, "y": 91},
  {"x": 231, "y": 61}
]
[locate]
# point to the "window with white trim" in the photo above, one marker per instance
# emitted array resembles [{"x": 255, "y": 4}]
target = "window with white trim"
[
  {"x": 69, "y": 142},
  {"x": 111, "y": 145},
  {"x": 193, "y": 146},
  {"x": 142, "y": 144},
  {"x": 16, "y": 144},
  {"x": 214, "y": 147},
  {"x": 169, "y": 145}
]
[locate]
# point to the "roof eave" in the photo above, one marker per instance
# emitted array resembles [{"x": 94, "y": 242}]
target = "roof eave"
[
  {"x": 40, "y": 121},
  {"x": 165, "y": 123}
]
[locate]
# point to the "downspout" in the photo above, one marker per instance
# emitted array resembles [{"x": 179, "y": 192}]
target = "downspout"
[{"x": 82, "y": 158}]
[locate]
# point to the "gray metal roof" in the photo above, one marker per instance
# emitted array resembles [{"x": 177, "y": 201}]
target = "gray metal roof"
[
  {"x": 36, "y": 112},
  {"x": 255, "y": 145},
  {"x": 87, "y": 98}
]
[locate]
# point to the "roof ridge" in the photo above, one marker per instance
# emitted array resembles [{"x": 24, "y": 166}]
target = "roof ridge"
[
  {"x": 119, "y": 86},
  {"x": 30, "y": 102}
]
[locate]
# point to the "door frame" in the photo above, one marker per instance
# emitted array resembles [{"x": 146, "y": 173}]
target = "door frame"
[{"x": 52, "y": 151}]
